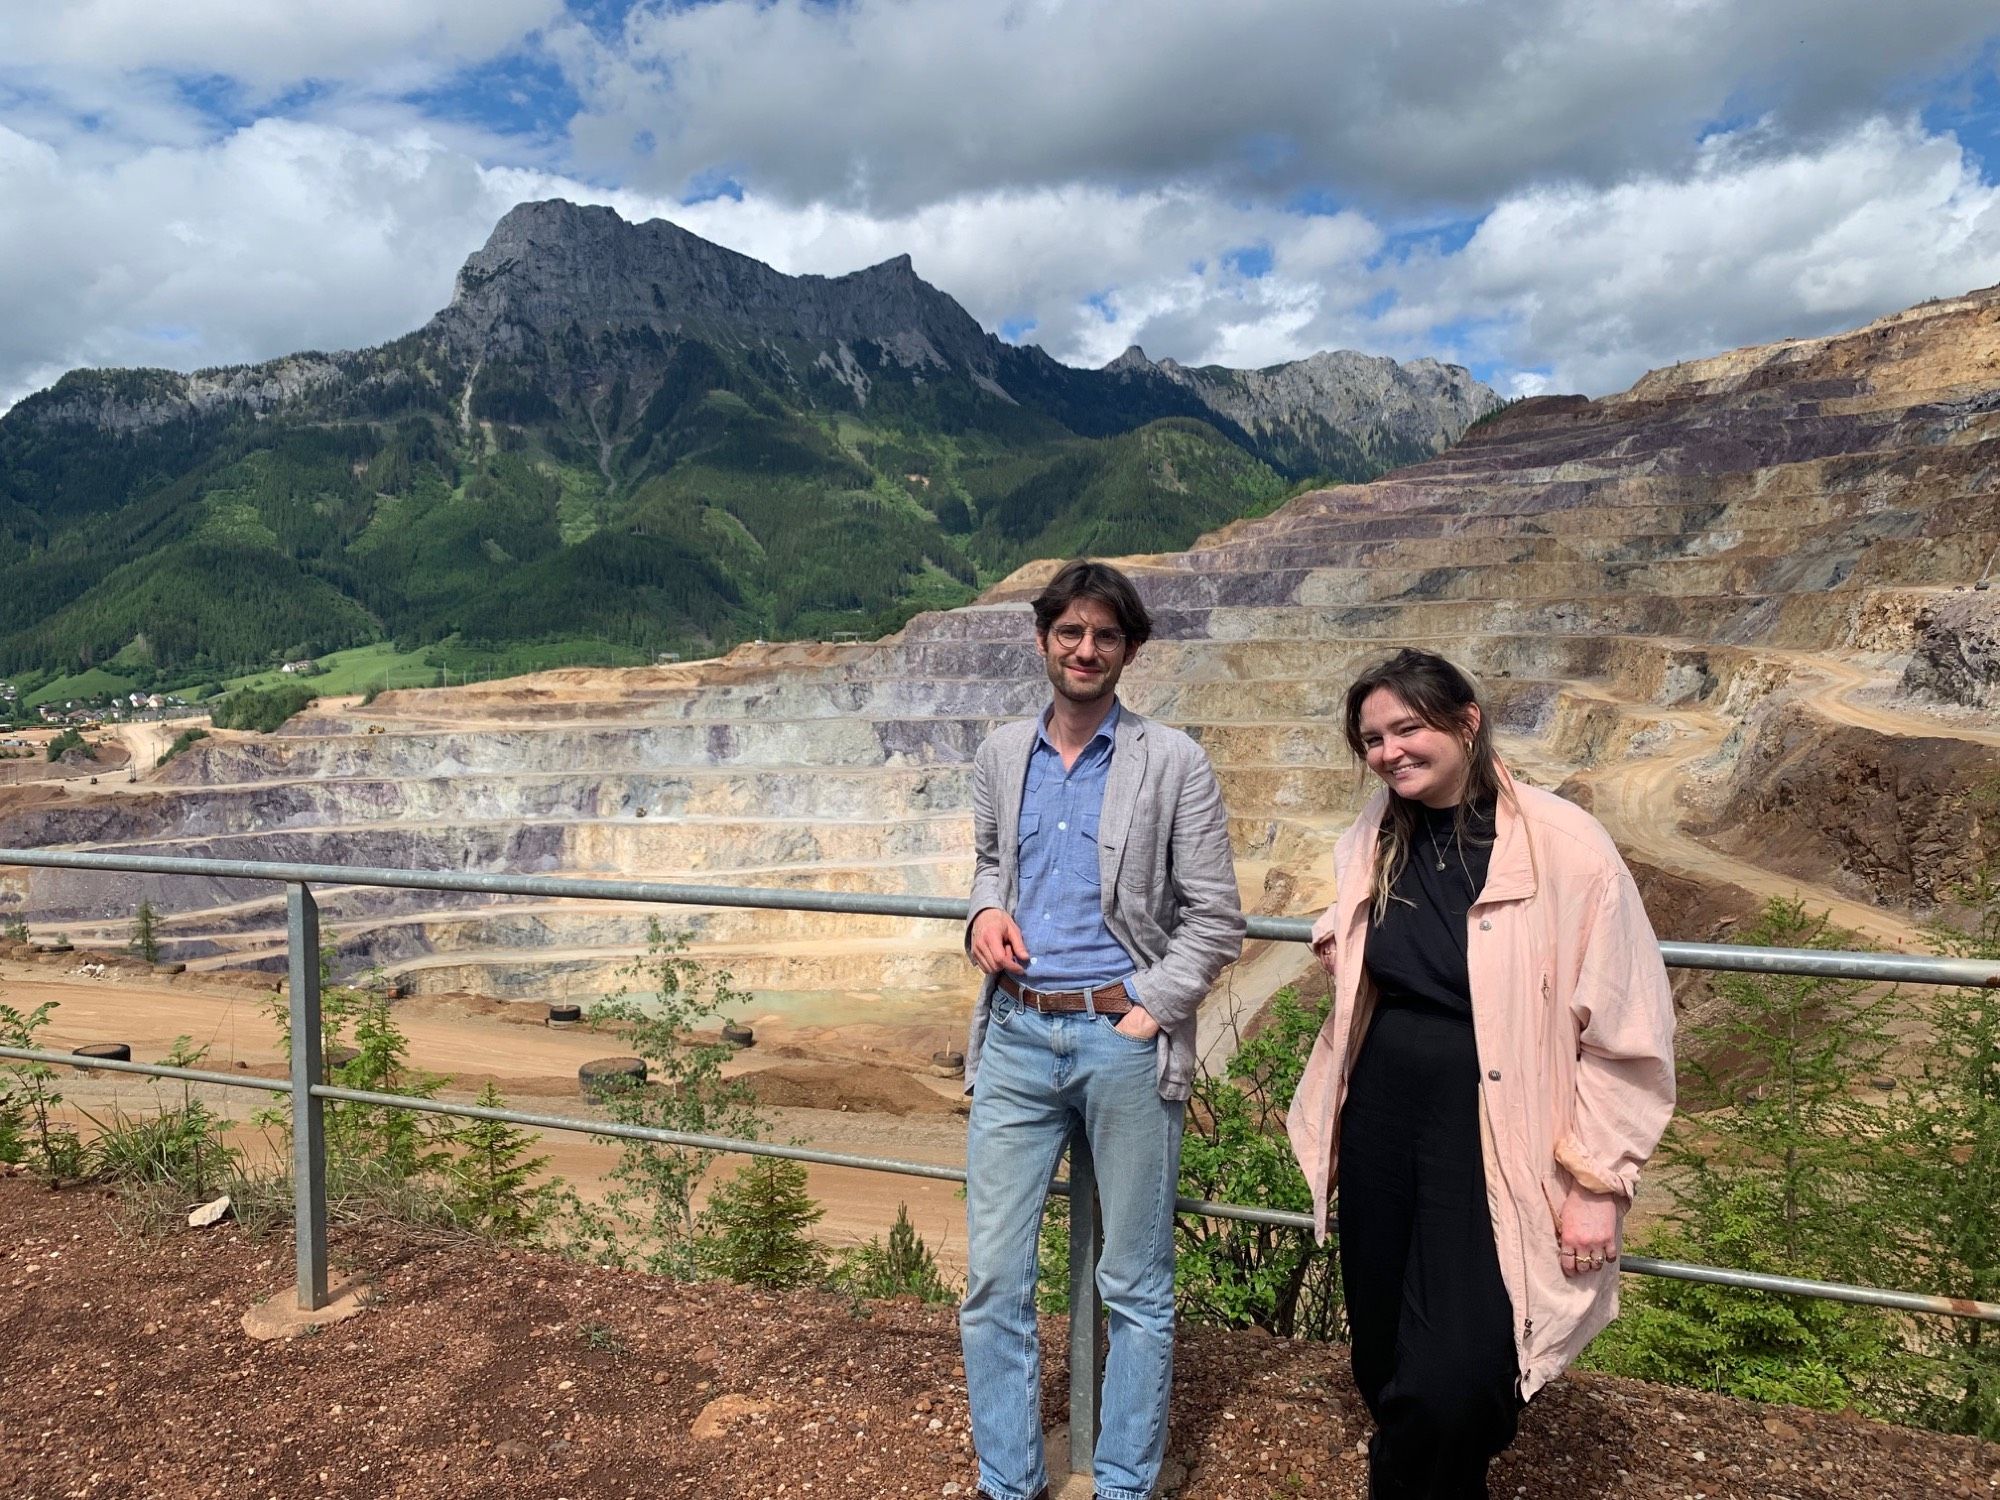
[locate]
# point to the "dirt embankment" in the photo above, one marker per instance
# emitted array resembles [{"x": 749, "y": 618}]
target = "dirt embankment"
[
  {"x": 1891, "y": 819},
  {"x": 478, "y": 1374}
]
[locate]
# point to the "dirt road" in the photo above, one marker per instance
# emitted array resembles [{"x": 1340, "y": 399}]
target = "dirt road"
[{"x": 532, "y": 1065}]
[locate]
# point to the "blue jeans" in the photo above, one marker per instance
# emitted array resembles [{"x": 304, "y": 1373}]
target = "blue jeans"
[{"x": 1038, "y": 1075}]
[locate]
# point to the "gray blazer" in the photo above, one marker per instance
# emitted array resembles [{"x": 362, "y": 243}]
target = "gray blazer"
[{"x": 1163, "y": 852}]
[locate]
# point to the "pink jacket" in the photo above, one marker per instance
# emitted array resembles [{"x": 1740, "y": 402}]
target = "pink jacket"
[{"x": 1574, "y": 1024}]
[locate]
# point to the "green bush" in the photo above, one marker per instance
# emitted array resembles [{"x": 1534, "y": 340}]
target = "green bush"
[
  {"x": 261, "y": 709},
  {"x": 904, "y": 1267},
  {"x": 758, "y": 1227},
  {"x": 649, "y": 1217},
  {"x": 145, "y": 933},
  {"x": 1235, "y": 1151},
  {"x": 492, "y": 1174},
  {"x": 50, "y": 1148},
  {"x": 67, "y": 741},
  {"x": 180, "y": 1150},
  {"x": 181, "y": 741}
]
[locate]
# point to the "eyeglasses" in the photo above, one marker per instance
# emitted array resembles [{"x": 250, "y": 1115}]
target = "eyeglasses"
[{"x": 1069, "y": 636}]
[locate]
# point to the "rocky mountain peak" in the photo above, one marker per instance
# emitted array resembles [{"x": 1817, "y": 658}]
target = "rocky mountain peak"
[
  {"x": 554, "y": 265},
  {"x": 1132, "y": 360}
]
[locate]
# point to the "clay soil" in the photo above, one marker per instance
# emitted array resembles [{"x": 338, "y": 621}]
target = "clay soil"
[{"x": 476, "y": 1372}]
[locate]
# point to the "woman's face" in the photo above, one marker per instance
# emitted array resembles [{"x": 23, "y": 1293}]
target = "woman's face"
[{"x": 1414, "y": 760}]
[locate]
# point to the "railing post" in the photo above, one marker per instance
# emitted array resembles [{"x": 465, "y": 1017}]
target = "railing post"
[
  {"x": 308, "y": 1113},
  {"x": 1086, "y": 1308}
]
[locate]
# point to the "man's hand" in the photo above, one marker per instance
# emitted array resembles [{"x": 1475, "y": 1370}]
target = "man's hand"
[
  {"x": 1588, "y": 1234},
  {"x": 1137, "y": 1025},
  {"x": 997, "y": 944}
]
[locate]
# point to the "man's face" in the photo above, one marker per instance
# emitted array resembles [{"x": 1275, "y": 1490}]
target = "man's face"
[{"x": 1087, "y": 671}]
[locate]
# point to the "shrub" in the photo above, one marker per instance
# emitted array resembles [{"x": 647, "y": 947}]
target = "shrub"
[
  {"x": 145, "y": 933},
  {"x": 492, "y": 1174},
  {"x": 181, "y": 741},
  {"x": 49, "y": 1147},
  {"x": 180, "y": 1150},
  {"x": 904, "y": 1267},
  {"x": 1245, "y": 1275},
  {"x": 758, "y": 1227},
  {"x": 1779, "y": 1167},
  {"x": 649, "y": 1215},
  {"x": 261, "y": 709}
]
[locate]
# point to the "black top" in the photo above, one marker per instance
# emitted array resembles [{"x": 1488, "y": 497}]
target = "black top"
[{"x": 1416, "y": 953}]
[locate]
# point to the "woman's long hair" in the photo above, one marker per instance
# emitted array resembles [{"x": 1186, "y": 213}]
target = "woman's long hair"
[{"x": 1442, "y": 696}]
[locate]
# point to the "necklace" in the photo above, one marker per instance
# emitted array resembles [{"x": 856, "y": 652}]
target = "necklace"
[{"x": 1431, "y": 834}]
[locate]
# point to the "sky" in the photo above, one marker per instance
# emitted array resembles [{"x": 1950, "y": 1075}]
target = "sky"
[{"x": 1559, "y": 194}]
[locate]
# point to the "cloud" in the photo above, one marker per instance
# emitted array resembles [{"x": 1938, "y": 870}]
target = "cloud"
[
  {"x": 281, "y": 236},
  {"x": 286, "y": 235},
  {"x": 1597, "y": 286},
  {"x": 263, "y": 44},
  {"x": 1389, "y": 104}
]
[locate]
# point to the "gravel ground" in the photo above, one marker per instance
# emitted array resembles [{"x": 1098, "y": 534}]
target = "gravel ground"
[{"x": 124, "y": 1370}]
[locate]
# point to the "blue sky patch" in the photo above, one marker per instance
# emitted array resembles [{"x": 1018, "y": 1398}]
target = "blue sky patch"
[
  {"x": 1016, "y": 329},
  {"x": 521, "y": 94},
  {"x": 708, "y": 186},
  {"x": 1970, "y": 110},
  {"x": 1439, "y": 239},
  {"x": 1101, "y": 302},
  {"x": 1251, "y": 262}
]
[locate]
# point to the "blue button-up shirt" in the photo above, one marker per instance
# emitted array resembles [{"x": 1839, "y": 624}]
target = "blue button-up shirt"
[{"x": 1061, "y": 911}]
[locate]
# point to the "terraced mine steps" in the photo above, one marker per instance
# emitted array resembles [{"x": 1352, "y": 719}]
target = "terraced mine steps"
[{"x": 1690, "y": 603}]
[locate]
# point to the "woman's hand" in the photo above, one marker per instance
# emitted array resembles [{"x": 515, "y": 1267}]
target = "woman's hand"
[
  {"x": 1588, "y": 1232},
  {"x": 1323, "y": 934}
]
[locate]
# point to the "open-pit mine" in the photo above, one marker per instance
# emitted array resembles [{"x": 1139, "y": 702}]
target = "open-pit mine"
[{"x": 1740, "y": 610}]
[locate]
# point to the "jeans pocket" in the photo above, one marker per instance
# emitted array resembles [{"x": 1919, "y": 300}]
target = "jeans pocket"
[{"x": 1149, "y": 1043}]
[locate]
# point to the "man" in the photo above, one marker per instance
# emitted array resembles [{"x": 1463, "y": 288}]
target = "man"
[{"x": 1104, "y": 905}]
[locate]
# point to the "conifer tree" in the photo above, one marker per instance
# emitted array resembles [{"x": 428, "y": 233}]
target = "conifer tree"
[
  {"x": 1775, "y": 1158},
  {"x": 145, "y": 935},
  {"x": 493, "y": 1173},
  {"x": 1945, "y": 1161},
  {"x": 759, "y": 1225}
]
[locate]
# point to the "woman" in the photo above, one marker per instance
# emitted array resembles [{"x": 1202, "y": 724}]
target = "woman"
[{"x": 1496, "y": 1068}]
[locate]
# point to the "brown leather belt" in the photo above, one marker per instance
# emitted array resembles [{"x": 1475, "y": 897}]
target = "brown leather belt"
[{"x": 1110, "y": 1000}]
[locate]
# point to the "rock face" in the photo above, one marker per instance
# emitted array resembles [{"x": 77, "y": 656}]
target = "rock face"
[
  {"x": 1691, "y": 604},
  {"x": 1332, "y": 411},
  {"x": 552, "y": 265},
  {"x": 1957, "y": 655}
]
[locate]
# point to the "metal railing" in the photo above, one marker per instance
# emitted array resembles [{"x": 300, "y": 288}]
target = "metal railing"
[{"x": 309, "y": 1092}]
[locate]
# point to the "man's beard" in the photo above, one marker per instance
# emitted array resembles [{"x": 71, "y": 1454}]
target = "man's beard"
[{"x": 1097, "y": 688}]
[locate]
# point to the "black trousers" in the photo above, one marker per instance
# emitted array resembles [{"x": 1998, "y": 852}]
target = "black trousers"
[{"x": 1433, "y": 1331}]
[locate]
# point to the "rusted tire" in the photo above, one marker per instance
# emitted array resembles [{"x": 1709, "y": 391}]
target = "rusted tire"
[
  {"x": 565, "y": 1015},
  {"x": 948, "y": 1064},
  {"x": 336, "y": 1057},
  {"x": 395, "y": 992},
  {"x": 737, "y": 1035},
  {"x": 611, "y": 1075},
  {"x": 173, "y": 968}
]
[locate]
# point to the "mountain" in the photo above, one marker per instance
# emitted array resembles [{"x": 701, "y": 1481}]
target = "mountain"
[
  {"x": 1340, "y": 414},
  {"x": 626, "y": 435}
]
